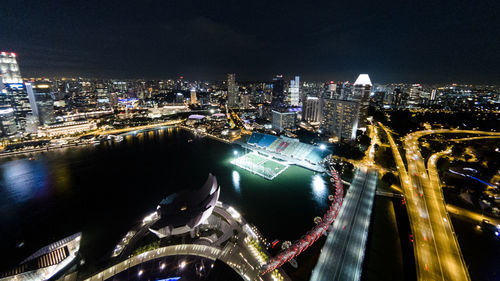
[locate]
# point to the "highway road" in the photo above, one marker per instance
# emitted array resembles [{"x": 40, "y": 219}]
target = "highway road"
[
  {"x": 437, "y": 252},
  {"x": 343, "y": 253}
]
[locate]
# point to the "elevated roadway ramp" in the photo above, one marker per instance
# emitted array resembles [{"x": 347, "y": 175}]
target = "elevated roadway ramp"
[{"x": 343, "y": 253}]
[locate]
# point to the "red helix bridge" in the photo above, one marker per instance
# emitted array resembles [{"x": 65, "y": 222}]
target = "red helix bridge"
[{"x": 312, "y": 235}]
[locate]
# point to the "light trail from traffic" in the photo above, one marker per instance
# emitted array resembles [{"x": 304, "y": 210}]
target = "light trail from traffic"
[{"x": 437, "y": 252}]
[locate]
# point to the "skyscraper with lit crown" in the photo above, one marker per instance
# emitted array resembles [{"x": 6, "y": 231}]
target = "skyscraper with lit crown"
[
  {"x": 14, "y": 93},
  {"x": 9, "y": 70},
  {"x": 361, "y": 94}
]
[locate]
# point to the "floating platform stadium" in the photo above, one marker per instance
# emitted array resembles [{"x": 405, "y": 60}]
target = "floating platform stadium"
[
  {"x": 261, "y": 165},
  {"x": 268, "y": 149}
]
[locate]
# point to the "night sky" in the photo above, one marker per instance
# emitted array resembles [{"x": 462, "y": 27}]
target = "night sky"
[{"x": 393, "y": 41}]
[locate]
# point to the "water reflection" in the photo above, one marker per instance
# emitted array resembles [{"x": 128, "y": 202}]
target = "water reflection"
[
  {"x": 23, "y": 179},
  {"x": 319, "y": 190},
  {"x": 236, "y": 181}
]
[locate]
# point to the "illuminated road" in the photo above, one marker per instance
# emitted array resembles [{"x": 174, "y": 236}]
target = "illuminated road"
[
  {"x": 342, "y": 255},
  {"x": 437, "y": 252},
  {"x": 236, "y": 120},
  {"x": 370, "y": 152},
  {"x": 369, "y": 158},
  {"x": 453, "y": 264},
  {"x": 137, "y": 128},
  {"x": 475, "y": 216},
  {"x": 475, "y": 138}
]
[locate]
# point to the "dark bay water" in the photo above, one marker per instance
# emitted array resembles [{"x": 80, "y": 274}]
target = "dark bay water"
[{"x": 103, "y": 191}]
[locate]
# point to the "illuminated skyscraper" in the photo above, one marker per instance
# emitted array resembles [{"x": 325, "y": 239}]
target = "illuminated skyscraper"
[
  {"x": 9, "y": 70},
  {"x": 398, "y": 98},
  {"x": 283, "y": 120},
  {"x": 295, "y": 91},
  {"x": 361, "y": 94},
  {"x": 14, "y": 93},
  {"x": 340, "y": 118},
  {"x": 8, "y": 125},
  {"x": 15, "y": 96},
  {"x": 194, "y": 98},
  {"x": 377, "y": 100},
  {"x": 415, "y": 95},
  {"x": 313, "y": 110},
  {"x": 232, "y": 91},
  {"x": 179, "y": 98},
  {"x": 278, "y": 95},
  {"x": 245, "y": 101},
  {"x": 332, "y": 90},
  {"x": 433, "y": 94},
  {"x": 41, "y": 99}
]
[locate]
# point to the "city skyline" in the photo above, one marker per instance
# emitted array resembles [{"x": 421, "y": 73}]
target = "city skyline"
[
  {"x": 394, "y": 42},
  {"x": 342, "y": 141}
]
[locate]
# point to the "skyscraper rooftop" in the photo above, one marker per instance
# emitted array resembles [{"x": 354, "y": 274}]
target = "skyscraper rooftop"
[{"x": 363, "y": 79}]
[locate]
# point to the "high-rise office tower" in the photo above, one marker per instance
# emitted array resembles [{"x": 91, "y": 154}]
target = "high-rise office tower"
[
  {"x": 232, "y": 91},
  {"x": 245, "y": 101},
  {"x": 346, "y": 91},
  {"x": 102, "y": 94},
  {"x": 398, "y": 98},
  {"x": 340, "y": 118},
  {"x": 377, "y": 99},
  {"x": 313, "y": 110},
  {"x": 194, "y": 98},
  {"x": 113, "y": 99},
  {"x": 41, "y": 99},
  {"x": 415, "y": 92},
  {"x": 295, "y": 91},
  {"x": 278, "y": 94},
  {"x": 15, "y": 96},
  {"x": 32, "y": 123},
  {"x": 361, "y": 94},
  {"x": 119, "y": 86},
  {"x": 9, "y": 70},
  {"x": 283, "y": 120},
  {"x": 433, "y": 94},
  {"x": 179, "y": 98},
  {"x": 8, "y": 125},
  {"x": 332, "y": 90}
]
